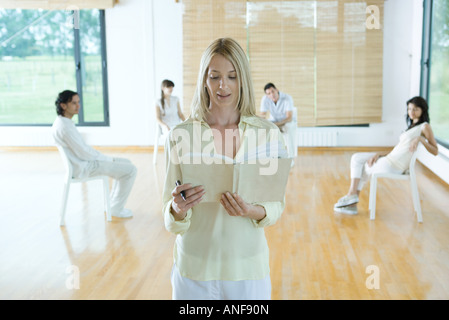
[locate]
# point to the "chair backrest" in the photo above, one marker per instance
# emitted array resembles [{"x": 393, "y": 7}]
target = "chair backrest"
[
  {"x": 411, "y": 167},
  {"x": 158, "y": 129},
  {"x": 66, "y": 162}
]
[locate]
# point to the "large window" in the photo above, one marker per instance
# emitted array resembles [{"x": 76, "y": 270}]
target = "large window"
[
  {"x": 435, "y": 81},
  {"x": 43, "y": 52}
]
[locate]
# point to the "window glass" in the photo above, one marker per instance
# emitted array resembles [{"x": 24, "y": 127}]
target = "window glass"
[
  {"x": 39, "y": 55},
  {"x": 91, "y": 59},
  {"x": 36, "y": 63},
  {"x": 439, "y": 75}
]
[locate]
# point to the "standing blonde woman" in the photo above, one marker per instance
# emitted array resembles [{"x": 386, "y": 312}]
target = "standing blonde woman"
[
  {"x": 220, "y": 250},
  {"x": 168, "y": 108}
]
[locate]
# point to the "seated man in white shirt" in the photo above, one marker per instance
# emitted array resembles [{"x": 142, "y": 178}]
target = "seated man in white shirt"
[
  {"x": 280, "y": 107},
  {"x": 88, "y": 162}
]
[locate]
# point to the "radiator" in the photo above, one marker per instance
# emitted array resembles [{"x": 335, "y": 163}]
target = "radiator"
[{"x": 317, "y": 138}]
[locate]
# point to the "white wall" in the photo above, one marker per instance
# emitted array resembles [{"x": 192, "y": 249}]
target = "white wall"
[
  {"x": 168, "y": 44},
  {"x": 439, "y": 164},
  {"x": 144, "y": 46}
]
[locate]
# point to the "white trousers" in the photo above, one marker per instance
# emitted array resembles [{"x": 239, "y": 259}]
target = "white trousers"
[
  {"x": 188, "y": 289},
  {"x": 361, "y": 170},
  {"x": 289, "y": 132},
  {"x": 124, "y": 174}
]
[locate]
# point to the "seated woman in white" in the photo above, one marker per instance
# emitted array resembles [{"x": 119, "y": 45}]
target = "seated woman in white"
[
  {"x": 168, "y": 108},
  {"x": 364, "y": 164}
]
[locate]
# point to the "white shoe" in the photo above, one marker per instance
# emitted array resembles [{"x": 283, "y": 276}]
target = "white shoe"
[
  {"x": 125, "y": 213},
  {"x": 347, "y": 201},
  {"x": 347, "y": 210}
]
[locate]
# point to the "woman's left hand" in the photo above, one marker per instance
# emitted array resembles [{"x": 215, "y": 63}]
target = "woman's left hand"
[
  {"x": 236, "y": 206},
  {"x": 414, "y": 144}
]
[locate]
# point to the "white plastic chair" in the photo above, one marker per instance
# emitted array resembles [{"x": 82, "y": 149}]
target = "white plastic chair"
[
  {"x": 157, "y": 138},
  {"x": 69, "y": 180},
  {"x": 409, "y": 175}
]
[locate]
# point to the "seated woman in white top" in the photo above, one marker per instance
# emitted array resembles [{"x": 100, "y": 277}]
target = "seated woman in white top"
[
  {"x": 397, "y": 161},
  {"x": 168, "y": 109}
]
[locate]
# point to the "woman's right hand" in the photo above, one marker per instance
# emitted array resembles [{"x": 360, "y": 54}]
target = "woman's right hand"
[
  {"x": 373, "y": 160},
  {"x": 193, "y": 196}
]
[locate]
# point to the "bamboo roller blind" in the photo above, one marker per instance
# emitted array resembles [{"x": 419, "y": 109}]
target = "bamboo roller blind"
[
  {"x": 320, "y": 52},
  {"x": 281, "y": 46},
  {"x": 203, "y": 22},
  {"x": 57, "y": 4},
  {"x": 349, "y": 64}
]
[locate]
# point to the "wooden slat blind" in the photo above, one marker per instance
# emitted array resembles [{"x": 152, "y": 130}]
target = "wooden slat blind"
[
  {"x": 318, "y": 51},
  {"x": 203, "y": 22},
  {"x": 281, "y": 50},
  {"x": 57, "y": 4},
  {"x": 348, "y": 64}
]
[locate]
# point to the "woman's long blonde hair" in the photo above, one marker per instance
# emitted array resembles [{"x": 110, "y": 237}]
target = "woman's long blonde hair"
[{"x": 231, "y": 50}]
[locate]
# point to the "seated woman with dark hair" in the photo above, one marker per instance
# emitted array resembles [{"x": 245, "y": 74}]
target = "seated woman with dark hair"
[
  {"x": 364, "y": 164},
  {"x": 168, "y": 108}
]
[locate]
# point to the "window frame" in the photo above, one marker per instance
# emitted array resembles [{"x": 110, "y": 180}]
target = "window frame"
[
  {"x": 79, "y": 68},
  {"x": 426, "y": 61}
]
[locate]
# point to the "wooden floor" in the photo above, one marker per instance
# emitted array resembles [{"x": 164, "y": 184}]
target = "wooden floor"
[{"x": 314, "y": 253}]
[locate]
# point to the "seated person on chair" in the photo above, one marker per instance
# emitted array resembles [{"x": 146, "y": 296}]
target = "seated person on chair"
[
  {"x": 88, "y": 162},
  {"x": 168, "y": 109},
  {"x": 279, "y": 105},
  {"x": 364, "y": 164}
]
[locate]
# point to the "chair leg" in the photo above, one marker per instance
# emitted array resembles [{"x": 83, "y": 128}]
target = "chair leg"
[
  {"x": 65, "y": 196},
  {"x": 107, "y": 198},
  {"x": 415, "y": 196},
  {"x": 290, "y": 141},
  {"x": 156, "y": 147},
  {"x": 372, "y": 197},
  {"x": 295, "y": 145}
]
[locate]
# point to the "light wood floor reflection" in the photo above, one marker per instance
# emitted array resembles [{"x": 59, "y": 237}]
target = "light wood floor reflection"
[{"x": 314, "y": 252}]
